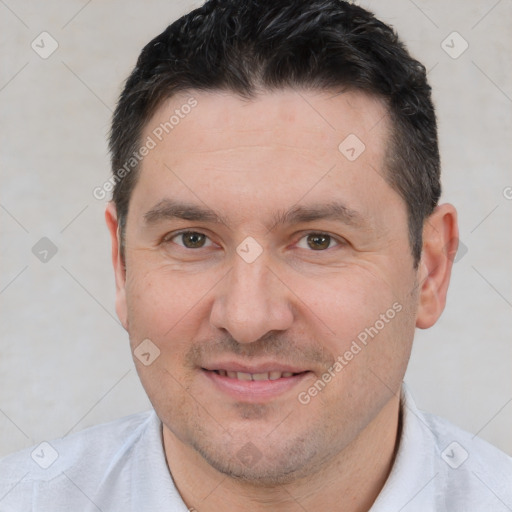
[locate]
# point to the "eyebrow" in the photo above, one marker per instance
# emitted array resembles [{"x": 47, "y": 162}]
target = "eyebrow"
[{"x": 168, "y": 209}]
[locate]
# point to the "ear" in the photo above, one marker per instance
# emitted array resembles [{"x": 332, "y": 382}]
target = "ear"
[
  {"x": 440, "y": 242},
  {"x": 117, "y": 261}
]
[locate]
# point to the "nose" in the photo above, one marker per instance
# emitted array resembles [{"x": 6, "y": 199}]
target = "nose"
[{"x": 251, "y": 301}]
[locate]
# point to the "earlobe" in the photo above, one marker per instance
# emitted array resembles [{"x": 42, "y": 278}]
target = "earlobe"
[
  {"x": 440, "y": 241},
  {"x": 118, "y": 263}
]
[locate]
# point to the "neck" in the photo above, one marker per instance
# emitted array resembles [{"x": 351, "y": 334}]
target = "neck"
[{"x": 349, "y": 482}]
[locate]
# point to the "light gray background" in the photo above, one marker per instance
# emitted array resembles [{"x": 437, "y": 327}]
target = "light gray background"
[{"x": 65, "y": 362}]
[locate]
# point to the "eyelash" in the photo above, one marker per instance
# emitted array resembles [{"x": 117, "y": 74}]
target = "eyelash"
[{"x": 169, "y": 239}]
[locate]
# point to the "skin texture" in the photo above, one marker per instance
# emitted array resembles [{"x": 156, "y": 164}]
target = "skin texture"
[{"x": 296, "y": 304}]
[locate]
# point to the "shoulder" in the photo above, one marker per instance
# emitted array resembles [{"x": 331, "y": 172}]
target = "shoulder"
[
  {"x": 90, "y": 446},
  {"x": 467, "y": 472},
  {"x": 470, "y": 468},
  {"x": 91, "y": 452},
  {"x": 464, "y": 445},
  {"x": 439, "y": 466}
]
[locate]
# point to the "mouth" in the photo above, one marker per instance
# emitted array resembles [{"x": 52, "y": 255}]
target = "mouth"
[
  {"x": 273, "y": 375},
  {"x": 254, "y": 386}
]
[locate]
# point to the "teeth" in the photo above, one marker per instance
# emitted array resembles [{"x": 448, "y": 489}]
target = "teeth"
[
  {"x": 260, "y": 376},
  {"x": 274, "y": 375}
]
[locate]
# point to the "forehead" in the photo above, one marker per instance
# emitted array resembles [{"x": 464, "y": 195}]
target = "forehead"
[
  {"x": 304, "y": 119},
  {"x": 272, "y": 149}
]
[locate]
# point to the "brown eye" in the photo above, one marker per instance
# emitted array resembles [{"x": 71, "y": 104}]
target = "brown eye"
[
  {"x": 317, "y": 241},
  {"x": 191, "y": 239}
]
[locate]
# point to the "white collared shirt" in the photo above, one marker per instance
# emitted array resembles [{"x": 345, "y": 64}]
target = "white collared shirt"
[{"x": 121, "y": 466}]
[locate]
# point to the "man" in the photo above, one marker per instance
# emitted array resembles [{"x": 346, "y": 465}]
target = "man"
[{"x": 276, "y": 240}]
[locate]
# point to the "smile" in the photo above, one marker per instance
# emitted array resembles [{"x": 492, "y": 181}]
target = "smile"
[
  {"x": 253, "y": 387},
  {"x": 255, "y": 376}
]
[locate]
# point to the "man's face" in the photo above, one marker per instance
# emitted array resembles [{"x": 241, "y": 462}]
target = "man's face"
[{"x": 272, "y": 287}]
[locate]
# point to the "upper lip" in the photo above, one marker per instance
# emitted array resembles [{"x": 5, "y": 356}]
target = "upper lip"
[{"x": 233, "y": 366}]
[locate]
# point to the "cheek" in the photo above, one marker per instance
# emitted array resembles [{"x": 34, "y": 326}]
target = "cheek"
[
  {"x": 146, "y": 304},
  {"x": 345, "y": 303},
  {"x": 369, "y": 326},
  {"x": 165, "y": 304}
]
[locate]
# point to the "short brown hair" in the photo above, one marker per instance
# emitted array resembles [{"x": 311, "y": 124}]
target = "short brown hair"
[{"x": 245, "y": 46}]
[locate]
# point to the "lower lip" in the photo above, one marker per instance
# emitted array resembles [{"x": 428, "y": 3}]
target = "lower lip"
[{"x": 254, "y": 390}]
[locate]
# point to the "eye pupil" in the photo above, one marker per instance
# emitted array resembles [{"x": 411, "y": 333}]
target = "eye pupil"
[
  {"x": 193, "y": 240},
  {"x": 319, "y": 241}
]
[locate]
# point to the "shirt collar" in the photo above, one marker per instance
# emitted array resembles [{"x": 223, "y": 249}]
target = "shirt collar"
[{"x": 414, "y": 469}]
